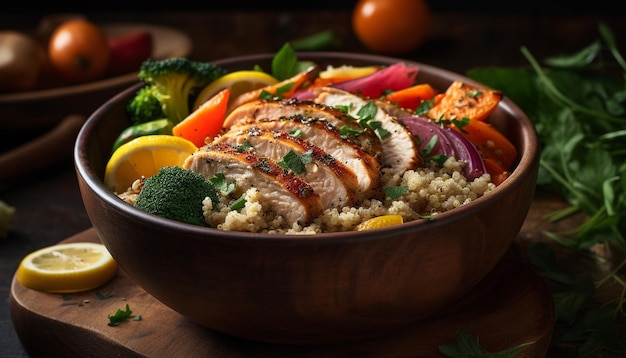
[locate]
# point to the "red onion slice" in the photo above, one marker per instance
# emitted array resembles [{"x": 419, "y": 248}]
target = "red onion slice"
[{"x": 450, "y": 143}]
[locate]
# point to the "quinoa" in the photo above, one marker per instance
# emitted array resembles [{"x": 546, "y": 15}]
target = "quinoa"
[{"x": 431, "y": 190}]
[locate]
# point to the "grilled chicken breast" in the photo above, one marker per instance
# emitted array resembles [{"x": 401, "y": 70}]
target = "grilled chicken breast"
[
  {"x": 261, "y": 110},
  {"x": 335, "y": 183},
  {"x": 400, "y": 149},
  {"x": 365, "y": 167},
  {"x": 282, "y": 191}
]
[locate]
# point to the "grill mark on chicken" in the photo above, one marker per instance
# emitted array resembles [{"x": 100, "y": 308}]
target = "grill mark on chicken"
[
  {"x": 336, "y": 184},
  {"x": 259, "y": 110},
  {"x": 324, "y": 135},
  {"x": 282, "y": 191},
  {"x": 400, "y": 149}
]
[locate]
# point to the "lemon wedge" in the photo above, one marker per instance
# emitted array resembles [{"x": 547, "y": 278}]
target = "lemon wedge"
[
  {"x": 144, "y": 156},
  {"x": 380, "y": 222},
  {"x": 65, "y": 268},
  {"x": 238, "y": 82}
]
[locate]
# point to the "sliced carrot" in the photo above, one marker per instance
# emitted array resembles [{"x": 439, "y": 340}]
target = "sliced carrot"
[
  {"x": 490, "y": 143},
  {"x": 205, "y": 121},
  {"x": 411, "y": 97},
  {"x": 284, "y": 89},
  {"x": 465, "y": 101},
  {"x": 498, "y": 174}
]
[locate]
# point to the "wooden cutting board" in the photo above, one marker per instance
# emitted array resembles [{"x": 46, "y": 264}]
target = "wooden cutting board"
[{"x": 511, "y": 306}]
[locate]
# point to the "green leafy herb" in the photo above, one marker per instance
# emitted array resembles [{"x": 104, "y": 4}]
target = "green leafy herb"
[
  {"x": 468, "y": 347},
  {"x": 596, "y": 329},
  {"x": 296, "y": 163},
  {"x": 347, "y": 131},
  {"x": 285, "y": 64},
  {"x": 365, "y": 115},
  {"x": 221, "y": 184},
  {"x": 578, "y": 107},
  {"x": 244, "y": 147},
  {"x": 393, "y": 192},
  {"x": 428, "y": 149},
  {"x": 424, "y": 107},
  {"x": 239, "y": 203},
  {"x": 577, "y": 103},
  {"x": 120, "y": 316}
]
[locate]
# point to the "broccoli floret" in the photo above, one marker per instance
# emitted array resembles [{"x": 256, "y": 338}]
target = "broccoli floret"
[
  {"x": 176, "y": 82},
  {"x": 144, "y": 106},
  {"x": 176, "y": 193}
]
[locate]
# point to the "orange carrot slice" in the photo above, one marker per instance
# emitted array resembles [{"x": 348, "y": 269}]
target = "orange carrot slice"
[{"x": 411, "y": 97}]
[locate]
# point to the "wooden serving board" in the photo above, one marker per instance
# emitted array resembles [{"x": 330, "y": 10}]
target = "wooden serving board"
[{"x": 511, "y": 306}]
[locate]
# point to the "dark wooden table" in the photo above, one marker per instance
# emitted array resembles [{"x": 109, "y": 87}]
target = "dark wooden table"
[{"x": 48, "y": 203}]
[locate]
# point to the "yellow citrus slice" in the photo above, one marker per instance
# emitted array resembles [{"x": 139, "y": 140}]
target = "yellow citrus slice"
[
  {"x": 347, "y": 72},
  {"x": 144, "y": 156},
  {"x": 380, "y": 222},
  {"x": 69, "y": 267},
  {"x": 239, "y": 82}
]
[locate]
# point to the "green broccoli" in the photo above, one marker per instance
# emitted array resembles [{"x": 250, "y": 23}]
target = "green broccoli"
[
  {"x": 175, "y": 82},
  {"x": 176, "y": 193},
  {"x": 144, "y": 106}
]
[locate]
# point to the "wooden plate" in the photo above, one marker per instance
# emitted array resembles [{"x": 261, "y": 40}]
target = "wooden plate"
[
  {"x": 41, "y": 109},
  {"x": 510, "y": 307}
]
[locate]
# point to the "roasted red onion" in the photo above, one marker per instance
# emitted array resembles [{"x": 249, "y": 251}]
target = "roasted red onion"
[
  {"x": 395, "y": 77},
  {"x": 450, "y": 143}
]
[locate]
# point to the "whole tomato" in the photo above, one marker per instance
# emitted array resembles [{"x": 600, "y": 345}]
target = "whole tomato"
[
  {"x": 78, "y": 51},
  {"x": 391, "y": 27}
]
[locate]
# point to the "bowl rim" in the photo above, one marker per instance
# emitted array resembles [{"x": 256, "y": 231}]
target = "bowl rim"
[{"x": 528, "y": 159}]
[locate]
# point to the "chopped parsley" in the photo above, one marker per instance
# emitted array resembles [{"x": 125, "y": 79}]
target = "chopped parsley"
[
  {"x": 296, "y": 163},
  {"x": 221, "y": 184},
  {"x": 365, "y": 115},
  {"x": 120, "y": 316},
  {"x": 394, "y": 192}
]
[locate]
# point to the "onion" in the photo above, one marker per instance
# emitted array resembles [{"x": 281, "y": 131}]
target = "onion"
[
  {"x": 450, "y": 143},
  {"x": 395, "y": 77},
  {"x": 425, "y": 130},
  {"x": 466, "y": 151}
]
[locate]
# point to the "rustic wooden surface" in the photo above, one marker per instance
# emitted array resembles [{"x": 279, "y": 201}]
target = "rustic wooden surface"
[
  {"x": 49, "y": 207},
  {"x": 497, "y": 301}
]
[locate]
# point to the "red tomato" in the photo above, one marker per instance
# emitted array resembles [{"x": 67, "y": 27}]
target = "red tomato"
[
  {"x": 78, "y": 51},
  {"x": 391, "y": 27}
]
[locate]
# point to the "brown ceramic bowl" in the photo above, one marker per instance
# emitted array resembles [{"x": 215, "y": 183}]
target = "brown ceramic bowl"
[{"x": 335, "y": 287}]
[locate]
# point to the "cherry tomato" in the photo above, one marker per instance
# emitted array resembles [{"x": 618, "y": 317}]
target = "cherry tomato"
[
  {"x": 78, "y": 51},
  {"x": 392, "y": 27}
]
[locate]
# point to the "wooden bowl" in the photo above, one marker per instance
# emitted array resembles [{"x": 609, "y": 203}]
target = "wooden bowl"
[{"x": 333, "y": 287}]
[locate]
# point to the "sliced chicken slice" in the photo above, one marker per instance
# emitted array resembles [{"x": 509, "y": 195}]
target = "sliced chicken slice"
[
  {"x": 322, "y": 134},
  {"x": 400, "y": 149},
  {"x": 282, "y": 191},
  {"x": 263, "y": 109},
  {"x": 335, "y": 183}
]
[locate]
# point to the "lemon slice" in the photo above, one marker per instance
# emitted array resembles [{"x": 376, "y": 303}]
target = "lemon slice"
[
  {"x": 380, "y": 222},
  {"x": 64, "y": 268},
  {"x": 144, "y": 156},
  {"x": 239, "y": 82}
]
